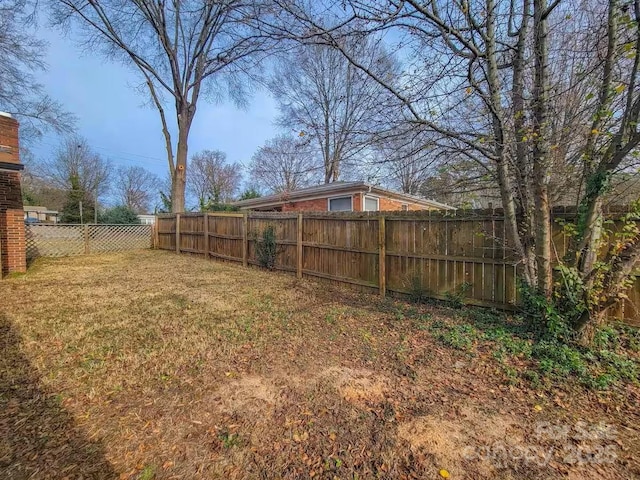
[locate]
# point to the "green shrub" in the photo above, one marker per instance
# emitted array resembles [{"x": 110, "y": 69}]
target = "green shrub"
[
  {"x": 418, "y": 293},
  {"x": 267, "y": 248},
  {"x": 460, "y": 337},
  {"x": 120, "y": 215},
  {"x": 541, "y": 351},
  {"x": 455, "y": 298}
]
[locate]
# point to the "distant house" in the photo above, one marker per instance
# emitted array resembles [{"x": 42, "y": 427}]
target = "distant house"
[
  {"x": 340, "y": 197},
  {"x": 40, "y": 214},
  {"x": 146, "y": 219}
]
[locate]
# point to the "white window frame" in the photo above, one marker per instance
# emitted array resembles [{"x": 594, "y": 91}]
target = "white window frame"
[
  {"x": 404, "y": 207},
  {"x": 364, "y": 203},
  {"x": 350, "y": 197}
]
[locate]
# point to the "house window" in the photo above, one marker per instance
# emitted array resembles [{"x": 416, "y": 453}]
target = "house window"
[
  {"x": 371, "y": 204},
  {"x": 340, "y": 204},
  {"x": 405, "y": 207}
]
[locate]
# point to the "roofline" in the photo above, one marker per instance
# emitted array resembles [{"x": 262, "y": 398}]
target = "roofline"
[
  {"x": 412, "y": 198},
  {"x": 11, "y": 166},
  {"x": 322, "y": 191}
]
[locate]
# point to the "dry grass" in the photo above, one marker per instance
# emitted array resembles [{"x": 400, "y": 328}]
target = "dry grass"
[{"x": 151, "y": 365}]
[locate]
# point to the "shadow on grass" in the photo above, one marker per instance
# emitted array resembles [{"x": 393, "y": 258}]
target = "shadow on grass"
[{"x": 38, "y": 437}]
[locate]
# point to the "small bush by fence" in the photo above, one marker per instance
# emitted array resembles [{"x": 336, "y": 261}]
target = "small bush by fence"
[
  {"x": 462, "y": 255},
  {"x": 64, "y": 240}
]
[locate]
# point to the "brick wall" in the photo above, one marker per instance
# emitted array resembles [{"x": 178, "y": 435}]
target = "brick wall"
[
  {"x": 317, "y": 205},
  {"x": 321, "y": 205},
  {"x": 388, "y": 204},
  {"x": 12, "y": 234},
  {"x": 357, "y": 202}
]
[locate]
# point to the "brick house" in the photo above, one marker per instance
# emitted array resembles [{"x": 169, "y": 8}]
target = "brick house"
[
  {"x": 12, "y": 234},
  {"x": 340, "y": 196}
]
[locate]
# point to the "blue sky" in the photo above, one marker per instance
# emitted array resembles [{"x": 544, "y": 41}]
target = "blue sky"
[{"x": 112, "y": 119}]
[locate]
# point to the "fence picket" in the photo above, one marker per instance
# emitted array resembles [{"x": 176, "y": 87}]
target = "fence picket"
[{"x": 468, "y": 252}]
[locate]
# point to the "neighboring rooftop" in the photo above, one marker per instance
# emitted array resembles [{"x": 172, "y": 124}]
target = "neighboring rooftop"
[{"x": 336, "y": 188}]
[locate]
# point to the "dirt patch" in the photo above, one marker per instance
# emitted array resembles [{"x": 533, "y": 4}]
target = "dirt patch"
[
  {"x": 358, "y": 386},
  {"x": 457, "y": 445},
  {"x": 440, "y": 438},
  {"x": 249, "y": 394}
]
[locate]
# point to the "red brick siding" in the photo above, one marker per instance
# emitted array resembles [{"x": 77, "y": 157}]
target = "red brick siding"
[
  {"x": 12, "y": 234},
  {"x": 357, "y": 202},
  {"x": 322, "y": 204},
  {"x": 317, "y": 205},
  {"x": 388, "y": 204},
  {"x": 9, "y": 138},
  {"x": 12, "y": 241}
]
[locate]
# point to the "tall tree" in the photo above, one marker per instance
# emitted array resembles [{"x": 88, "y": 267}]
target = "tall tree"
[
  {"x": 518, "y": 87},
  {"x": 135, "y": 188},
  {"x": 284, "y": 164},
  {"x": 79, "y": 206},
  {"x": 81, "y": 172},
  {"x": 36, "y": 190},
  {"x": 75, "y": 166},
  {"x": 212, "y": 180},
  {"x": 182, "y": 50},
  {"x": 329, "y": 100},
  {"x": 406, "y": 160},
  {"x": 21, "y": 62}
]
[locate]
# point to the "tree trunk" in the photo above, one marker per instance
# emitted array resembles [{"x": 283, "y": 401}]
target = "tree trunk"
[
  {"x": 502, "y": 165},
  {"x": 541, "y": 150},
  {"x": 587, "y": 325},
  {"x": 179, "y": 180}
]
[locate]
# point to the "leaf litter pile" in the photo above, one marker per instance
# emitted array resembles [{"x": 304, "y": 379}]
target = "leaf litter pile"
[{"x": 147, "y": 365}]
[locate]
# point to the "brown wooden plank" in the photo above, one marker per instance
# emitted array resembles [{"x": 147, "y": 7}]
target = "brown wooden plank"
[
  {"x": 206, "y": 235},
  {"x": 245, "y": 246},
  {"x": 382, "y": 242},
  {"x": 299, "y": 248},
  {"x": 177, "y": 233}
]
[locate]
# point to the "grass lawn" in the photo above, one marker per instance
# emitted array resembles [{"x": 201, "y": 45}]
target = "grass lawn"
[{"x": 152, "y": 365}]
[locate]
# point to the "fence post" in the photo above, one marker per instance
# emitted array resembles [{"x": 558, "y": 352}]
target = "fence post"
[
  {"x": 299, "y": 245},
  {"x": 155, "y": 233},
  {"x": 85, "y": 232},
  {"x": 245, "y": 240},
  {"x": 206, "y": 235},
  {"x": 177, "y": 233},
  {"x": 382, "y": 250}
]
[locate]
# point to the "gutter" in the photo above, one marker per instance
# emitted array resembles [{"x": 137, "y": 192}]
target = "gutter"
[{"x": 11, "y": 166}]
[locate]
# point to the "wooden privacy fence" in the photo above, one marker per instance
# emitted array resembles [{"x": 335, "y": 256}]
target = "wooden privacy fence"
[
  {"x": 467, "y": 253},
  {"x": 63, "y": 240}
]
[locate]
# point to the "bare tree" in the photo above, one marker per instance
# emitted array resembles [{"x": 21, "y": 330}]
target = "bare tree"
[
  {"x": 329, "y": 100},
  {"x": 74, "y": 159},
  {"x": 521, "y": 88},
  {"x": 182, "y": 50},
  {"x": 405, "y": 159},
  {"x": 211, "y": 179},
  {"x": 460, "y": 183},
  {"x": 284, "y": 164},
  {"x": 135, "y": 187},
  {"x": 21, "y": 60}
]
